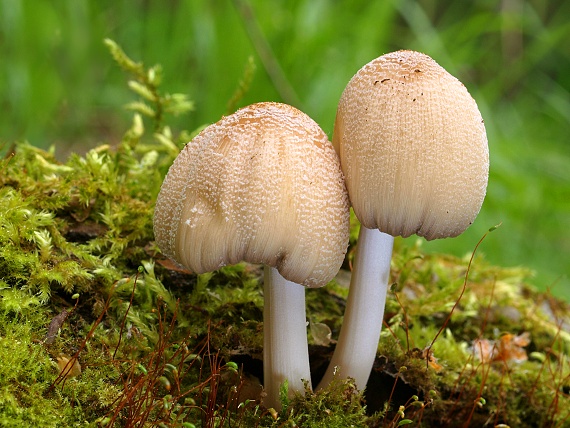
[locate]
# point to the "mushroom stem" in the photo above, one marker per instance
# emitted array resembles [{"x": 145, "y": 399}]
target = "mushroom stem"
[
  {"x": 360, "y": 332},
  {"x": 285, "y": 347}
]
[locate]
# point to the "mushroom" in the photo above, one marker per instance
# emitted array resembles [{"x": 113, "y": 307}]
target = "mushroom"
[
  {"x": 414, "y": 153},
  {"x": 262, "y": 185}
]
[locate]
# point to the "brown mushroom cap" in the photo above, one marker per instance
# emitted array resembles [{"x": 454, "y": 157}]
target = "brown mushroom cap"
[
  {"x": 262, "y": 185},
  {"x": 413, "y": 147}
]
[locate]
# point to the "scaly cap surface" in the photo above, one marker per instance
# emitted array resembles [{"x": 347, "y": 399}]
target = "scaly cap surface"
[
  {"x": 262, "y": 185},
  {"x": 413, "y": 147}
]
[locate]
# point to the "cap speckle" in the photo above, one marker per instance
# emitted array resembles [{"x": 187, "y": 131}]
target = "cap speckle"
[
  {"x": 414, "y": 149},
  {"x": 263, "y": 185}
]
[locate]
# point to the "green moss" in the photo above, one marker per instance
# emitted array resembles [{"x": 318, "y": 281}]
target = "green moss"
[
  {"x": 27, "y": 371},
  {"x": 496, "y": 305}
]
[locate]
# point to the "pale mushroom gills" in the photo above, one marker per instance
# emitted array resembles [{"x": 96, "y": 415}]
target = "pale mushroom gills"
[
  {"x": 262, "y": 185},
  {"x": 414, "y": 152}
]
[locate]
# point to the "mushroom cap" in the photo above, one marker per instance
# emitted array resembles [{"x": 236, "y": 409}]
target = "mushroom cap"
[
  {"x": 262, "y": 185},
  {"x": 413, "y": 147}
]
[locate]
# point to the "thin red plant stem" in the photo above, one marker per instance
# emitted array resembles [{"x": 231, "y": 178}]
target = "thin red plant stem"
[
  {"x": 126, "y": 313},
  {"x": 500, "y": 402},
  {"x": 484, "y": 377},
  {"x": 488, "y": 309},
  {"x": 456, "y": 383},
  {"x": 472, "y": 357},
  {"x": 8, "y": 158},
  {"x": 460, "y": 295},
  {"x": 562, "y": 423},
  {"x": 421, "y": 412},
  {"x": 138, "y": 397},
  {"x": 393, "y": 335},
  {"x": 543, "y": 365},
  {"x": 406, "y": 322},
  {"x": 553, "y": 408},
  {"x": 474, "y": 371},
  {"x": 61, "y": 378},
  {"x": 392, "y": 392},
  {"x": 69, "y": 365}
]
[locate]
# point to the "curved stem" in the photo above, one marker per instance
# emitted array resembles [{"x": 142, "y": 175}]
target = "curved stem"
[
  {"x": 358, "y": 340},
  {"x": 285, "y": 347}
]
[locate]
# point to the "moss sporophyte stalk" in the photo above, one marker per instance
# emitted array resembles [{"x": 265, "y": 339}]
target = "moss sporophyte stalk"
[{"x": 148, "y": 343}]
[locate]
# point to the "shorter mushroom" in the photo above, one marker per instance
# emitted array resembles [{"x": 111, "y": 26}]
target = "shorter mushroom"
[
  {"x": 262, "y": 185},
  {"x": 414, "y": 152}
]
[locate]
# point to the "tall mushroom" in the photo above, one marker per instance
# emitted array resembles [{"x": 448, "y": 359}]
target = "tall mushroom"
[
  {"x": 262, "y": 185},
  {"x": 414, "y": 152}
]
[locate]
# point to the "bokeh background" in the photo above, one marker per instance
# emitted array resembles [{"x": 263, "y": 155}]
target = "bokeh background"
[{"x": 59, "y": 86}]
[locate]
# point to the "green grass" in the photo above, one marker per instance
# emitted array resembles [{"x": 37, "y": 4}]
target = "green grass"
[{"x": 58, "y": 87}]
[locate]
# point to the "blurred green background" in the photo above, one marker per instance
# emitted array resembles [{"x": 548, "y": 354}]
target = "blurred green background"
[{"x": 59, "y": 86}]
